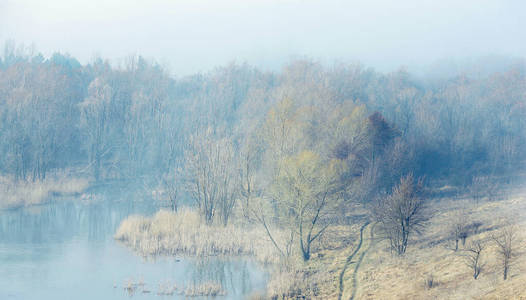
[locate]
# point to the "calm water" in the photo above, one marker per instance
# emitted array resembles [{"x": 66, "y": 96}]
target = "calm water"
[{"x": 65, "y": 250}]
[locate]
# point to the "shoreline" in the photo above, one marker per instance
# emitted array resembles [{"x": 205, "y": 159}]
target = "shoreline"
[{"x": 26, "y": 193}]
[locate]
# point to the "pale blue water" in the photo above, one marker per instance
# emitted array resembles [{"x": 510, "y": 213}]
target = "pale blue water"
[{"x": 66, "y": 250}]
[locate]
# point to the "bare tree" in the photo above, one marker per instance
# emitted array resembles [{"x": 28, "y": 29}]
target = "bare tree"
[
  {"x": 95, "y": 122},
  {"x": 170, "y": 185},
  {"x": 474, "y": 257},
  {"x": 249, "y": 157},
  {"x": 211, "y": 168},
  {"x": 459, "y": 228},
  {"x": 401, "y": 213},
  {"x": 507, "y": 241},
  {"x": 261, "y": 212}
]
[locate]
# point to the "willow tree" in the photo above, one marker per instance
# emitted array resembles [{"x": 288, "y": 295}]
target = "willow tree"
[{"x": 307, "y": 191}]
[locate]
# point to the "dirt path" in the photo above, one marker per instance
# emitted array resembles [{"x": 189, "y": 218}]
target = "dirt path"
[
  {"x": 362, "y": 255},
  {"x": 349, "y": 261}
]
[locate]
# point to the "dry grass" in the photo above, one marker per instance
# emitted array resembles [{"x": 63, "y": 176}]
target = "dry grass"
[
  {"x": 430, "y": 269},
  {"x": 209, "y": 289},
  {"x": 384, "y": 276},
  {"x": 184, "y": 233},
  {"x": 312, "y": 281},
  {"x": 318, "y": 278},
  {"x": 168, "y": 288},
  {"x": 25, "y": 193}
]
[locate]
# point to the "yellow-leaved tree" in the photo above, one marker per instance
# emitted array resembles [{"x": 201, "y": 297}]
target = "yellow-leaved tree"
[{"x": 306, "y": 191}]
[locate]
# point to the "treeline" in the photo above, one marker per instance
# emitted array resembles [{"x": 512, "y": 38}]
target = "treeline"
[{"x": 137, "y": 120}]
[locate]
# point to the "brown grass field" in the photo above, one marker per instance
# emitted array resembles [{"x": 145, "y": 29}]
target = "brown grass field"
[{"x": 431, "y": 257}]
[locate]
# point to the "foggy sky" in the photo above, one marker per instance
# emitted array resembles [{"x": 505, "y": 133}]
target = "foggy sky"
[{"x": 197, "y": 35}]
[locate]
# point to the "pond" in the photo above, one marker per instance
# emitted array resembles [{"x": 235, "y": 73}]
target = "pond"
[{"x": 65, "y": 250}]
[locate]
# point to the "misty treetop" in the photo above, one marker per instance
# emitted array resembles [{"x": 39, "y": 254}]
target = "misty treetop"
[{"x": 136, "y": 119}]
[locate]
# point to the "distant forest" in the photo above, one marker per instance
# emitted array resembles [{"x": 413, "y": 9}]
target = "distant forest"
[{"x": 137, "y": 120}]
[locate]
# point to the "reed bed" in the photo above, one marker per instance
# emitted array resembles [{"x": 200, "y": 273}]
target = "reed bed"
[
  {"x": 25, "y": 193},
  {"x": 208, "y": 289},
  {"x": 184, "y": 233},
  {"x": 168, "y": 288}
]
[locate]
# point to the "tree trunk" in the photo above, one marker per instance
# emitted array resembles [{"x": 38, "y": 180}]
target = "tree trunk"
[
  {"x": 305, "y": 250},
  {"x": 505, "y": 275}
]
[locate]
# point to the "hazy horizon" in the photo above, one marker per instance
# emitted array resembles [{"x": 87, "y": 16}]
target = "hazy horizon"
[
  {"x": 195, "y": 36},
  {"x": 262, "y": 149}
]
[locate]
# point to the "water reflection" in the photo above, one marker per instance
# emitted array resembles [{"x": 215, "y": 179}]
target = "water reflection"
[
  {"x": 65, "y": 250},
  {"x": 233, "y": 275},
  {"x": 66, "y": 218}
]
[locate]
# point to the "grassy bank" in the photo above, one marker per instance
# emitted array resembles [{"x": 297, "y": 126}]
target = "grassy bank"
[
  {"x": 24, "y": 193},
  {"x": 348, "y": 264}
]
